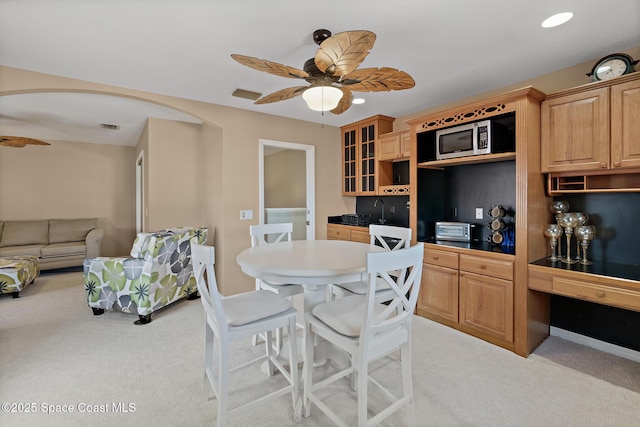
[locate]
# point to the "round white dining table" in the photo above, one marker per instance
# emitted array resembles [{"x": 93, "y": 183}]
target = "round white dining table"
[
  {"x": 311, "y": 263},
  {"x": 314, "y": 264}
]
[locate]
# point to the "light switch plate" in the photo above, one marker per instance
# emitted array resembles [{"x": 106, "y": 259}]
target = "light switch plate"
[
  {"x": 478, "y": 213},
  {"x": 246, "y": 214}
]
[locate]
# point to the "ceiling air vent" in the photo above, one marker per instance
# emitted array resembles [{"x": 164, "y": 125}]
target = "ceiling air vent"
[
  {"x": 108, "y": 126},
  {"x": 246, "y": 94}
]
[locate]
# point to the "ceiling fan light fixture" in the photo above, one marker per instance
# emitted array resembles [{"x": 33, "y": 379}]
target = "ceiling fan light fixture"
[
  {"x": 322, "y": 98},
  {"x": 358, "y": 101}
]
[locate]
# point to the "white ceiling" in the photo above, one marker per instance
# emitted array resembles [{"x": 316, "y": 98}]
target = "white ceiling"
[{"x": 453, "y": 49}]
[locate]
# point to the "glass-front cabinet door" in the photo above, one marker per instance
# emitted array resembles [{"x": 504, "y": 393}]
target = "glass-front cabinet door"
[
  {"x": 349, "y": 161},
  {"x": 358, "y": 154},
  {"x": 367, "y": 161}
]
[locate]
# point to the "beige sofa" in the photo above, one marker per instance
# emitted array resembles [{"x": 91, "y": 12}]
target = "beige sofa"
[{"x": 58, "y": 243}]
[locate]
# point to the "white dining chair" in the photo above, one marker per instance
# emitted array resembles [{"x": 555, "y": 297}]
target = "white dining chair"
[
  {"x": 228, "y": 319},
  {"x": 263, "y": 234},
  {"x": 390, "y": 238},
  {"x": 368, "y": 330}
]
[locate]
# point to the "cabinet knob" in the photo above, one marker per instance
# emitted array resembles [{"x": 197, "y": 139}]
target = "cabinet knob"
[
  {"x": 435, "y": 257},
  {"x": 483, "y": 267},
  {"x": 603, "y": 165},
  {"x": 600, "y": 294},
  {"x": 616, "y": 164}
]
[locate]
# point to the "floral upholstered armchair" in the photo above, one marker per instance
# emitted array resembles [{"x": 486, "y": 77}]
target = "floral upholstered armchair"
[{"x": 158, "y": 272}]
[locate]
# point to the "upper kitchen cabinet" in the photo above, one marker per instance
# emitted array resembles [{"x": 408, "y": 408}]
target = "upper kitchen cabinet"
[
  {"x": 358, "y": 154},
  {"x": 392, "y": 155},
  {"x": 593, "y": 127},
  {"x": 394, "y": 146}
]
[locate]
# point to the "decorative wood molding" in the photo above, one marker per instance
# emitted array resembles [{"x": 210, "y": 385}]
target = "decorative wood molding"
[
  {"x": 397, "y": 190},
  {"x": 472, "y": 112}
]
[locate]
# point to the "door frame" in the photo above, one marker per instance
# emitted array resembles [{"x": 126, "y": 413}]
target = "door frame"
[
  {"x": 310, "y": 179},
  {"x": 140, "y": 208}
]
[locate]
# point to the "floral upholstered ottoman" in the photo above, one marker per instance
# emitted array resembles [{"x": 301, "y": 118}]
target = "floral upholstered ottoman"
[{"x": 17, "y": 272}]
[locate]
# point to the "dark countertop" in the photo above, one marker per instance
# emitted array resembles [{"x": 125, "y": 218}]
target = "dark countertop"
[
  {"x": 608, "y": 269},
  {"x": 367, "y": 225},
  {"x": 478, "y": 245},
  {"x": 338, "y": 220}
]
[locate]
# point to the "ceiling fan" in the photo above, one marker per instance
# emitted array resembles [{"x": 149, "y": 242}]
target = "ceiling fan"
[
  {"x": 19, "y": 141},
  {"x": 332, "y": 74}
]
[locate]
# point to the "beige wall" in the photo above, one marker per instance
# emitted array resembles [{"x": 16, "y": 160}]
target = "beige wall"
[
  {"x": 173, "y": 188},
  {"x": 72, "y": 180},
  {"x": 285, "y": 179}
]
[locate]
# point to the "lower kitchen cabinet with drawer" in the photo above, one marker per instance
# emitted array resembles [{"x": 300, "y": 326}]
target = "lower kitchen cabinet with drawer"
[
  {"x": 348, "y": 232},
  {"x": 469, "y": 290}
]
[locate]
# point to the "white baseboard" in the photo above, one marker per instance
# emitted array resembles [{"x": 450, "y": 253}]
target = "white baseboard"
[{"x": 597, "y": 344}]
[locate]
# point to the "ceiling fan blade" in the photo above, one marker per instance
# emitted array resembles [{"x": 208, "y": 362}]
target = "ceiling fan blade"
[
  {"x": 345, "y": 101},
  {"x": 19, "y": 141},
  {"x": 377, "y": 80},
  {"x": 282, "y": 95},
  {"x": 339, "y": 55},
  {"x": 270, "y": 67}
]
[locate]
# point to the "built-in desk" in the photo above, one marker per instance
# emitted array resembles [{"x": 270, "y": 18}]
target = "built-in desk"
[{"x": 607, "y": 283}]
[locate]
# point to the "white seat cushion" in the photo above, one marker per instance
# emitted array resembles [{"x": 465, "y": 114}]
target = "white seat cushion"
[
  {"x": 361, "y": 288},
  {"x": 345, "y": 315},
  {"x": 251, "y": 306}
]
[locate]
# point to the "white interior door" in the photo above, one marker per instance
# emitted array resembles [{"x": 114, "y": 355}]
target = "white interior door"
[{"x": 303, "y": 217}]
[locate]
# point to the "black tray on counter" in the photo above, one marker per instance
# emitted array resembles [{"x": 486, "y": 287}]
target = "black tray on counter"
[{"x": 356, "y": 219}]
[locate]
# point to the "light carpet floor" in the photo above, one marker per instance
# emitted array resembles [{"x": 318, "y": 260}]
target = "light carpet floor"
[{"x": 54, "y": 352}]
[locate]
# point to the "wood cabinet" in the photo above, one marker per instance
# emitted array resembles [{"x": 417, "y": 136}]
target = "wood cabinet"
[
  {"x": 592, "y": 127},
  {"x": 625, "y": 125},
  {"x": 470, "y": 291},
  {"x": 613, "y": 291},
  {"x": 348, "y": 232},
  {"x": 394, "y": 146},
  {"x": 492, "y": 305},
  {"x": 439, "y": 284},
  {"x": 358, "y": 154},
  {"x": 486, "y": 295}
]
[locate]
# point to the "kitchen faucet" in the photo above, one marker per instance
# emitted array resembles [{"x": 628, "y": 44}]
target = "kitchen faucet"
[{"x": 375, "y": 204}]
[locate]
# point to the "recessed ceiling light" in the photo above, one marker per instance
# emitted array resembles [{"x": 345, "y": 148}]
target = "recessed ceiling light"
[
  {"x": 557, "y": 19},
  {"x": 358, "y": 101}
]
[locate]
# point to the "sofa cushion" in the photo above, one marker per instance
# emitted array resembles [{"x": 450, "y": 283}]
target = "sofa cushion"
[
  {"x": 18, "y": 233},
  {"x": 21, "y": 250},
  {"x": 70, "y": 230},
  {"x": 64, "y": 249},
  {"x": 1, "y": 226}
]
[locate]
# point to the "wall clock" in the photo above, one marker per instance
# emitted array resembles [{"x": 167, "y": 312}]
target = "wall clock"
[{"x": 612, "y": 66}]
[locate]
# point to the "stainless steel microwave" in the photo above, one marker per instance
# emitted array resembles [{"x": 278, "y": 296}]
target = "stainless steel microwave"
[
  {"x": 455, "y": 231},
  {"x": 469, "y": 139}
]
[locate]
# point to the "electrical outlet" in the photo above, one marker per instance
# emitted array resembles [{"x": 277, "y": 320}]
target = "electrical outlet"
[
  {"x": 246, "y": 214},
  {"x": 479, "y": 213}
]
